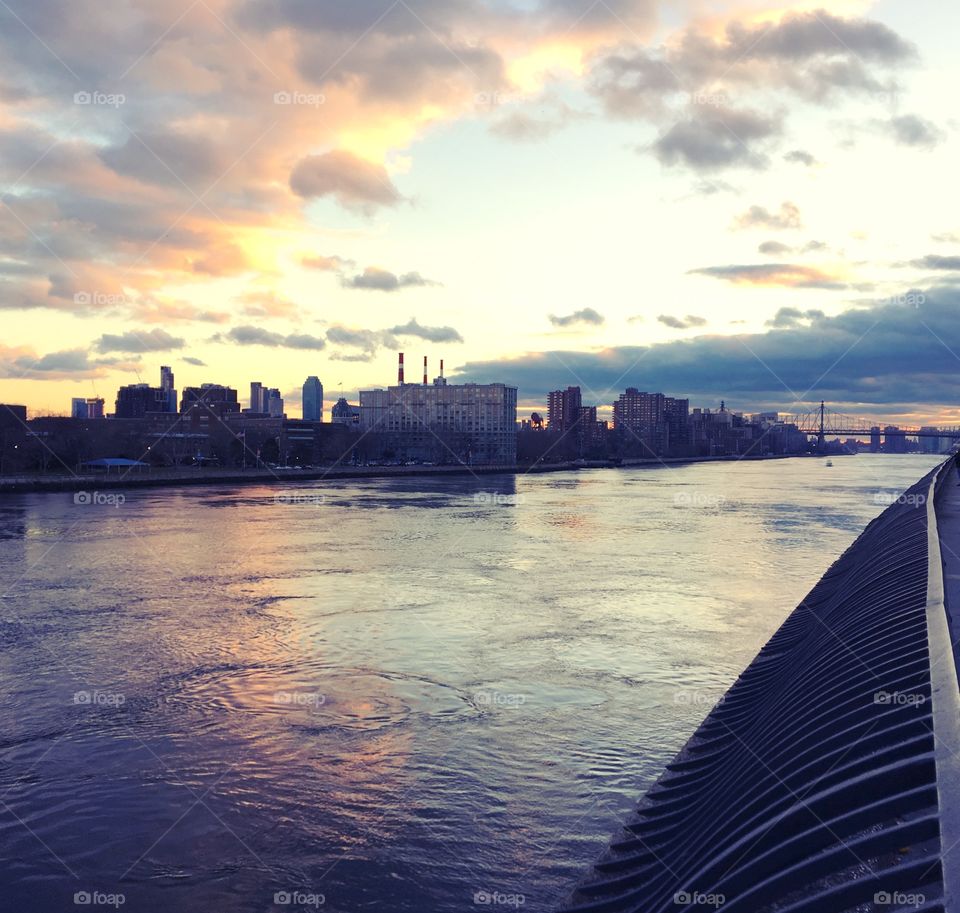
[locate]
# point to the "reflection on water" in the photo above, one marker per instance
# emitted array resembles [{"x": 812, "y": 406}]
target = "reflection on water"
[{"x": 391, "y": 693}]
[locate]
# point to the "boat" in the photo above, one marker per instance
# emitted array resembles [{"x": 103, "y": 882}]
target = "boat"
[{"x": 829, "y": 462}]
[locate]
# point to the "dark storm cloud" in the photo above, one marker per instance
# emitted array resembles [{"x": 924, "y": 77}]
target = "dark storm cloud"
[
  {"x": 382, "y": 280},
  {"x": 886, "y": 353},
  {"x": 155, "y": 340},
  {"x": 584, "y": 316}
]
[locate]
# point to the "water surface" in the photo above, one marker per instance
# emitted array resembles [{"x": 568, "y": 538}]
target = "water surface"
[{"x": 399, "y": 695}]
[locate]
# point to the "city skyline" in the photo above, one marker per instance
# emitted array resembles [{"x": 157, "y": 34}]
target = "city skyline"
[{"x": 670, "y": 201}]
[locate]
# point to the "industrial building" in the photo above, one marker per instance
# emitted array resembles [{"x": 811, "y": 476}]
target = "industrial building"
[{"x": 441, "y": 422}]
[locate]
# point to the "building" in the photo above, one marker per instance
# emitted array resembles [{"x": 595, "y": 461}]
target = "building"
[
  {"x": 563, "y": 409},
  {"x": 442, "y": 422},
  {"x": 256, "y": 397},
  {"x": 875, "y": 439},
  {"x": 273, "y": 403},
  {"x": 312, "y": 399},
  {"x": 89, "y": 407},
  {"x": 656, "y": 423},
  {"x": 894, "y": 440},
  {"x": 344, "y": 413},
  {"x": 166, "y": 383},
  {"x": 12, "y": 417},
  {"x": 214, "y": 399},
  {"x": 136, "y": 400}
]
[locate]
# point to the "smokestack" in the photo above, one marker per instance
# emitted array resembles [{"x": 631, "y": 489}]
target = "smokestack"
[
  {"x": 441, "y": 367},
  {"x": 400, "y": 370},
  {"x": 424, "y": 370}
]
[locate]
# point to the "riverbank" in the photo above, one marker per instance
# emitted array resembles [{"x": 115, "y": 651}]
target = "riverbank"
[{"x": 160, "y": 478}]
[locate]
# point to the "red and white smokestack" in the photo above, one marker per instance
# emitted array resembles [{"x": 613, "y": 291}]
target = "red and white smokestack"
[
  {"x": 424, "y": 370},
  {"x": 400, "y": 370}
]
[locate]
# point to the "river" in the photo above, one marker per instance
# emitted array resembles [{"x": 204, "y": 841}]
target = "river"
[{"x": 417, "y": 695}]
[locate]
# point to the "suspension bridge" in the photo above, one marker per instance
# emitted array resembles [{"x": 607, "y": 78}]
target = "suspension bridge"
[{"x": 823, "y": 422}]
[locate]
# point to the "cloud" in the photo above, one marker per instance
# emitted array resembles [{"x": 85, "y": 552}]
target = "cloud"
[
  {"x": 887, "y": 354},
  {"x": 788, "y": 317},
  {"x": 382, "y": 280},
  {"x": 685, "y": 87},
  {"x": 774, "y": 248},
  {"x": 584, "y": 316},
  {"x": 681, "y": 323},
  {"x": 267, "y": 304},
  {"x": 352, "y": 181},
  {"x": 258, "y": 336},
  {"x": 327, "y": 264},
  {"x": 433, "y": 334},
  {"x": 937, "y": 261},
  {"x": 787, "y": 275},
  {"x": 23, "y": 363},
  {"x": 799, "y": 157},
  {"x": 911, "y": 130},
  {"x": 787, "y": 218},
  {"x": 368, "y": 340},
  {"x": 155, "y": 340},
  {"x": 191, "y": 360},
  {"x": 717, "y": 138}
]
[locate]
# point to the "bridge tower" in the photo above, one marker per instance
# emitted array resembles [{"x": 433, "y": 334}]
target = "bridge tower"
[{"x": 821, "y": 437}]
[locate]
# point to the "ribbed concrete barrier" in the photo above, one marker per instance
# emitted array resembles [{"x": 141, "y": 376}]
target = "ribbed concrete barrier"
[{"x": 826, "y": 779}]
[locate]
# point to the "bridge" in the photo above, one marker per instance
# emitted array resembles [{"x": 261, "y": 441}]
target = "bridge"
[
  {"x": 824, "y": 421},
  {"x": 827, "y": 779}
]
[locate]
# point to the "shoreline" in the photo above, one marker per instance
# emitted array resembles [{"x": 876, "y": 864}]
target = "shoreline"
[{"x": 64, "y": 482}]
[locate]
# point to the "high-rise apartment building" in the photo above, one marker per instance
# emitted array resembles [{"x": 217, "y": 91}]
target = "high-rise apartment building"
[{"x": 312, "y": 399}]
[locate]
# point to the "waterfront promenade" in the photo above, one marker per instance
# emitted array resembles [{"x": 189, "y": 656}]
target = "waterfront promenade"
[
  {"x": 828, "y": 777},
  {"x": 180, "y": 476}
]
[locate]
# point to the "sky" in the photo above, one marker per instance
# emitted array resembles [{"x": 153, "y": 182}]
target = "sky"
[{"x": 744, "y": 201}]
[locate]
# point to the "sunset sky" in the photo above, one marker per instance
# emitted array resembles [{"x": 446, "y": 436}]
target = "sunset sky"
[{"x": 740, "y": 201}]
